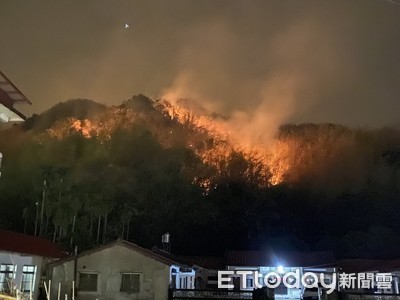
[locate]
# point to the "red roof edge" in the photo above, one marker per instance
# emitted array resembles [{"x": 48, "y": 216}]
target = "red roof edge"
[{"x": 27, "y": 244}]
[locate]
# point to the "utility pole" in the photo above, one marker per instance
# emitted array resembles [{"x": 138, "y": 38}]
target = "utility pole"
[
  {"x": 25, "y": 217},
  {"x": 37, "y": 217},
  {"x": 1, "y": 159},
  {"x": 42, "y": 209},
  {"x": 75, "y": 271}
]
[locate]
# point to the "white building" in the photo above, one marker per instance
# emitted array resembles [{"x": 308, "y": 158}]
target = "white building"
[
  {"x": 265, "y": 262},
  {"x": 23, "y": 261},
  {"x": 120, "y": 270},
  {"x": 281, "y": 263}
]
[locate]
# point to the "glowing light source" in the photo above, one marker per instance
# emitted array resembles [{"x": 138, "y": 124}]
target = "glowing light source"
[{"x": 280, "y": 269}]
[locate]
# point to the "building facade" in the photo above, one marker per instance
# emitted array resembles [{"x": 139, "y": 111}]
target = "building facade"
[
  {"x": 23, "y": 262},
  {"x": 120, "y": 270},
  {"x": 267, "y": 262}
]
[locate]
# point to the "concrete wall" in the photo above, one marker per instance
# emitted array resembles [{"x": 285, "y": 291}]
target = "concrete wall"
[
  {"x": 21, "y": 260},
  {"x": 109, "y": 263}
]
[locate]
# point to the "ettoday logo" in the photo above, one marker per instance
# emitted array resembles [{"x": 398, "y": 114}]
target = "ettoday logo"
[
  {"x": 273, "y": 280},
  {"x": 381, "y": 281}
]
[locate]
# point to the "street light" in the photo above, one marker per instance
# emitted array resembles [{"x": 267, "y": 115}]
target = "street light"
[{"x": 280, "y": 269}]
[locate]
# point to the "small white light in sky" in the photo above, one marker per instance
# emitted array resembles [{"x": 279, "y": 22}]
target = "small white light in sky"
[{"x": 126, "y": 26}]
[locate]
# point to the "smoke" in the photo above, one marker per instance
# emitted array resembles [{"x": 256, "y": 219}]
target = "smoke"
[
  {"x": 259, "y": 86},
  {"x": 338, "y": 65}
]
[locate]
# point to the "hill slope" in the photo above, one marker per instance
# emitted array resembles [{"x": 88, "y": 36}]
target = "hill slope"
[{"x": 146, "y": 167}]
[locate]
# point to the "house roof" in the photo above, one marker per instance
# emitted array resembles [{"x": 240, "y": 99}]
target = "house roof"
[
  {"x": 180, "y": 260},
  {"x": 146, "y": 252},
  {"x": 358, "y": 265},
  {"x": 368, "y": 265},
  {"x": 26, "y": 244},
  {"x": 388, "y": 266},
  {"x": 208, "y": 262},
  {"x": 270, "y": 258},
  {"x": 9, "y": 96}
]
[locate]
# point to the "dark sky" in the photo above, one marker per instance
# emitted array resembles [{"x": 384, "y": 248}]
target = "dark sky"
[{"x": 288, "y": 60}]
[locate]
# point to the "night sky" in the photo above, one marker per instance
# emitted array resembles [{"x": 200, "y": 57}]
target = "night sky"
[{"x": 298, "y": 60}]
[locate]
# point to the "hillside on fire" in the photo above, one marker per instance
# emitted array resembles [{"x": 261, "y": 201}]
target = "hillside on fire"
[{"x": 85, "y": 173}]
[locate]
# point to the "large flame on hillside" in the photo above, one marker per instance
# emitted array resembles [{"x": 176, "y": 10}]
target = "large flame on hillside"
[{"x": 271, "y": 160}]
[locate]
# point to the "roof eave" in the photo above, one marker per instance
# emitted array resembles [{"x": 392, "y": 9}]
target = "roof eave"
[
  {"x": 126, "y": 244},
  {"x": 24, "y": 98},
  {"x": 11, "y": 114}
]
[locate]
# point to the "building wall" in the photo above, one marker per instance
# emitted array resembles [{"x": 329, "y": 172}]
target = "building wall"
[
  {"x": 21, "y": 260},
  {"x": 109, "y": 263}
]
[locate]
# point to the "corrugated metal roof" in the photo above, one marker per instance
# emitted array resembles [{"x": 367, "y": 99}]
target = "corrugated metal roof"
[
  {"x": 11, "y": 90},
  {"x": 288, "y": 259},
  {"x": 389, "y": 266},
  {"x": 368, "y": 265},
  {"x": 9, "y": 96},
  {"x": 208, "y": 262}
]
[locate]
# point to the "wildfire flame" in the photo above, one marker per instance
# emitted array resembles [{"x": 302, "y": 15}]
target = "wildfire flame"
[{"x": 272, "y": 161}]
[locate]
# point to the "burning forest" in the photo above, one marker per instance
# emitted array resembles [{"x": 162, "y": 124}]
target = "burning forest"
[
  {"x": 98, "y": 166},
  {"x": 262, "y": 137}
]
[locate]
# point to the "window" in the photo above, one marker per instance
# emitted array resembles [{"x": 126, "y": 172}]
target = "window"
[
  {"x": 130, "y": 283},
  {"x": 7, "y": 273},
  {"x": 28, "y": 278},
  {"x": 88, "y": 282}
]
